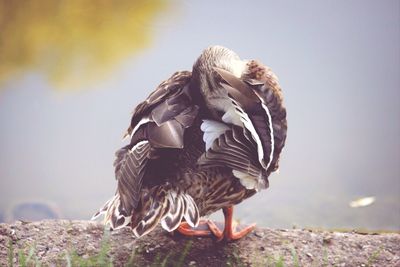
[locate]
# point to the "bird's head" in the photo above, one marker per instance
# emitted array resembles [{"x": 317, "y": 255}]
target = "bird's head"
[{"x": 205, "y": 75}]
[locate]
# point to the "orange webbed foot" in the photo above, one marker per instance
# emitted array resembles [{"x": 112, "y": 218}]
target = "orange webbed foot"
[{"x": 206, "y": 228}]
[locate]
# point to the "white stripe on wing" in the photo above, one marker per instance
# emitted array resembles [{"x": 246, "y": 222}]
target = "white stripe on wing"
[{"x": 271, "y": 129}]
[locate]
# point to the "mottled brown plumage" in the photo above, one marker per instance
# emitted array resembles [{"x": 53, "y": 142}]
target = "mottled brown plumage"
[{"x": 201, "y": 142}]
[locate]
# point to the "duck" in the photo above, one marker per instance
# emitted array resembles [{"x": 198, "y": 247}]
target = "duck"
[{"x": 203, "y": 141}]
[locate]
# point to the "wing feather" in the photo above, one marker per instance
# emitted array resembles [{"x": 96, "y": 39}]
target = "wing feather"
[
  {"x": 158, "y": 122},
  {"x": 170, "y": 87},
  {"x": 258, "y": 101},
  {"x": 233, "y": 150},
  {"x": 129, "y": 171},
  {"x": 266, "y": 86}
]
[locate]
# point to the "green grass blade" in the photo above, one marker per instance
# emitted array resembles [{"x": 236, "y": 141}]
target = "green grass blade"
[
  {"x": 10, "y": 253},
  {"x": 184, "y": 253},
  {"x": 295, "y": 258}
]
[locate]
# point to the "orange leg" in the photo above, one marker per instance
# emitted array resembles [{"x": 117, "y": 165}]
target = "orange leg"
[
  {"x": 201, "y": 230},
  {"x": 230, "y": 232},
  {"x": 209, "y": 228}
]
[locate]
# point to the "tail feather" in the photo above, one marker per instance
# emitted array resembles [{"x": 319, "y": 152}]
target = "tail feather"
[
  {"x": 151, "y": 218},
  {"x": 112, "y": 214},
  {"x": 160, "y": 204},
  {"x": 173, "y": 217},
  {"x": 102, "y": 210},
  {"x": 191, "y": 215},
  {"x": 172, "y": 208}
]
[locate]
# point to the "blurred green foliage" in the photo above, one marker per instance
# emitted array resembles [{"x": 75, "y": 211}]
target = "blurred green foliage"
[{"x": 73, "y": 40}]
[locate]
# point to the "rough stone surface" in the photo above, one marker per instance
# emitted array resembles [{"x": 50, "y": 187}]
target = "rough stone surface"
[{"x": 53, "y": 242}]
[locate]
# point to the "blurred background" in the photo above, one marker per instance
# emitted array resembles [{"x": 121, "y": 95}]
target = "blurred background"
[{"x": 71, "y": 72}]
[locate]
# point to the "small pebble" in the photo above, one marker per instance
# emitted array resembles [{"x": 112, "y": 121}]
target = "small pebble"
[
  {"x": 90, "y": 247},
  {"x": 257, "y": 234},
  {"x": 40, "y": 247},
  {"x": 327, "y": 239},
  {"x": 55, "y": 250},
  {"x": 192, "y": 263},
  {"x": 309, "y": 254}
]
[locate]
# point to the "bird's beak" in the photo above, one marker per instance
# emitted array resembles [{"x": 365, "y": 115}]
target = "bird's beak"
[{"x": 239, "y": 90}]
